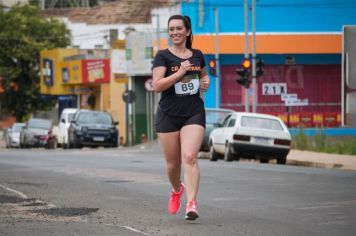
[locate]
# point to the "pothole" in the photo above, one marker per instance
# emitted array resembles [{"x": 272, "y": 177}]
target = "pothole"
[
  {"x": 13, "y": 199},
  {"x": 66, "y": 212}
]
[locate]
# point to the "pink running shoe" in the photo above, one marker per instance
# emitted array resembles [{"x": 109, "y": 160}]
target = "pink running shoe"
[
  {"x": 174, "y": 200},
  {"x": 191, "y": 211}
]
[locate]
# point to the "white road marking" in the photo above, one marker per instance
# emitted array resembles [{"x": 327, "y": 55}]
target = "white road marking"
[
  {"x": 129, "y": 228},
  {"x": 22, "y": 195},
  {"x": 135, "y": 230}
]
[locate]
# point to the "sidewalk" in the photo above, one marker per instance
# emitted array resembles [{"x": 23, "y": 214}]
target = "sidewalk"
[{"x": 323, "y": 160}]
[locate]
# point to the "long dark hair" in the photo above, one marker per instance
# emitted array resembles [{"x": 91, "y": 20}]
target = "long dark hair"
[{"x": 188, "y": 25}]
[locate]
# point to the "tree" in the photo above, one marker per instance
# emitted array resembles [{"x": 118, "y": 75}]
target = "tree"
[{"x": 24, "y": 33}]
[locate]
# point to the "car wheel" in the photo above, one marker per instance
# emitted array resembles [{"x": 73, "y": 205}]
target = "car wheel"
[
  {"x": 264, "y": 160},
  {"x": 213, "y": 155},
  {"x": 228, "y": 156},
  {"x": 282, "y": 160},
  {"x": 53, "y": 144}
]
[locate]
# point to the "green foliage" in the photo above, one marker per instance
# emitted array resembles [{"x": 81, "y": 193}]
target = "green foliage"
[
  {"x": 301, "y": 141},
  {"x": 24, "y": 33},
  {"x": 322, "y": 143}
]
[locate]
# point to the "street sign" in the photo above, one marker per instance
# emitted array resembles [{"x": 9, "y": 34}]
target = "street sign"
[
  {"x": 149, "y": 85},
  {"x": 129, "y": 96},
  {"x": 289, "y": 97},
  {"x": 297, "y": 102},
  {"x": 274, "y": 88}
]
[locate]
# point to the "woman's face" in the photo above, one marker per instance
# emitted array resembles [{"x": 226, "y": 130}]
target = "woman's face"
[{"x": 177, "y": 31}]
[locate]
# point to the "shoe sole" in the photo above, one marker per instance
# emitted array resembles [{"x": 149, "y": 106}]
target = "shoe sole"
[{"x": 191, "y": 215}]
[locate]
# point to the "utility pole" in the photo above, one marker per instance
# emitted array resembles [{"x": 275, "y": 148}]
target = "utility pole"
[
  {"x": 41, "y": 4},
  {"x": 254, "y": 83},
  {"x": 246, "y": 48},
  {"x": 217, "y": 59}
]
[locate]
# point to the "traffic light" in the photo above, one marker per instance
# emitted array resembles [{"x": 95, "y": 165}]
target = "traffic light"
[
  {"x": 259, "y": 67},
  {"x": 212, "y": 67},
  {"x": 244, "y": 72}
]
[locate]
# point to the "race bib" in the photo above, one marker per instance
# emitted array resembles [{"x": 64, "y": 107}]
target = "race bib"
[{"x": 188, "y": 85}]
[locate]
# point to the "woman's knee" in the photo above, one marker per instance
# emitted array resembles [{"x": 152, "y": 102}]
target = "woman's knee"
[
  {"x": 190, "y": 158},
  {"x": 173, "y": 166}
]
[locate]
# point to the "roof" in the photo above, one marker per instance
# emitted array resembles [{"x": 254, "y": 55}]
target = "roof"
[{"x": 123, "y": 11}]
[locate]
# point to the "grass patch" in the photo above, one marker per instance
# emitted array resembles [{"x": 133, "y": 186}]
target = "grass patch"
[{"x": 323, "y": 143}]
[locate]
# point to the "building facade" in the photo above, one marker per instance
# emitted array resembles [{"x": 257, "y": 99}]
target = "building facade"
[{"x": 300, "y": 43}]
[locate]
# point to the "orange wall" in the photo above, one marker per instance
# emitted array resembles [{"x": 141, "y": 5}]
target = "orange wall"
[{"x": 269, "y": 44}]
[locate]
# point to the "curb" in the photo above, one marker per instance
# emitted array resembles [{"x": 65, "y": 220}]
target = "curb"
[
  {"x": 314, "y": 164},
  {"x": 292, "y": 162}
]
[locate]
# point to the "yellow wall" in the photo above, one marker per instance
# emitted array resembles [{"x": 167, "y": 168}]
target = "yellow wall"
[
  {"x": 56, "y": 56},
  {"x": 75, "y": 72},
  {"x": 117, "y": 106}
]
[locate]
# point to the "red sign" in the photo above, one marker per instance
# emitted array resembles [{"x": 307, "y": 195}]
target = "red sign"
[{"x": 96, "y": 71}]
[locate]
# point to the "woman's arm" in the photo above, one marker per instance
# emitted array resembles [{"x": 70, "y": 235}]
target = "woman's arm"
[
  {"x": 205, "y": 80},
  {"x": 161, "y": 83}
]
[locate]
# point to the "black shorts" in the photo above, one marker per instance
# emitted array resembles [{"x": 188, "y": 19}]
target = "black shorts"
[{"x": 166, "y": 123}]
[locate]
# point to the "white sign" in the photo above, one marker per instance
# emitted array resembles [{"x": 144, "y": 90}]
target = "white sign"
[
  {"x": 274, "y": 88},
  {"x": 118, "y": 61},
  {"x": 139, "y": 53},
  {"x": 291, "y": 96},
  {"x": 297, "y": 102}
]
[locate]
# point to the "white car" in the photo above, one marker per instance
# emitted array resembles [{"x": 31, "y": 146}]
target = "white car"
[
  {"x": 60, "y": 132},
  {"x": 250, "y": 135}
]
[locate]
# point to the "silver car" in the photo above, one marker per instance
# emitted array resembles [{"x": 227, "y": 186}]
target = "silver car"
[
  {"x": 36, "y": 133},
  {"x": 14, "y": 135}
]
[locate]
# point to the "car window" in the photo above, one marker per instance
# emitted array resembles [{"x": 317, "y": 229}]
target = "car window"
[
  {"x": 261, "y": 123},
  {"x": 231, "y": 122},
  {"x": 226, "y": 120},
  {"x": 96, "y": 118},
  {"x": 39, "y": 124},
  {"x": 215, "y": 117}
]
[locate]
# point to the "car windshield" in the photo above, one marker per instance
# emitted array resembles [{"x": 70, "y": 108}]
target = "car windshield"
[
  {"x": 260, "y": 123},
  {"x": 70, "y": 116},
  {"x": 95, "y": 117},
  {"x": 17, "y": 128},
  {"x": 39, "y": 124},
  {"x": 216, "y": 117}
]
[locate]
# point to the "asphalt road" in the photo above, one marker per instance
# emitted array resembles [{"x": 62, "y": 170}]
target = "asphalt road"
[{"x": 125, "y": 192}]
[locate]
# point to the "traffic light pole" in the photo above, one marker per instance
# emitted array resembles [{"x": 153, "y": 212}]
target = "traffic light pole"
[
  {"x": 254, "y": 83},
  {"x": 217, "y": 60},
  {"x": 246, "y": 48}
]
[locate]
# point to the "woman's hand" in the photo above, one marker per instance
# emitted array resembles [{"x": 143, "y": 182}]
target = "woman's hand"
[
  {"x": 184, "y": 67},
  {"x": 204, "y": 83}
]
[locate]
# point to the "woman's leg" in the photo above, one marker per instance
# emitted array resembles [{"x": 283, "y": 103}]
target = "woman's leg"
[
  {"x": 191, "y": 137},
  {"x": 172, "y": 154}
]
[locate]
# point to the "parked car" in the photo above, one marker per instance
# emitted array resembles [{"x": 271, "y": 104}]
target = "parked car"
[
  {"x": 37, "y": 132},
  {"x": 92, "y": 128},
  {"x": 13, "y": 135},
  {"x": 6, "y": 136},
  {"x": 214, "y": 118},
  {"x": 250, "y": 135},
  {"x": 60, "y": 132}
]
